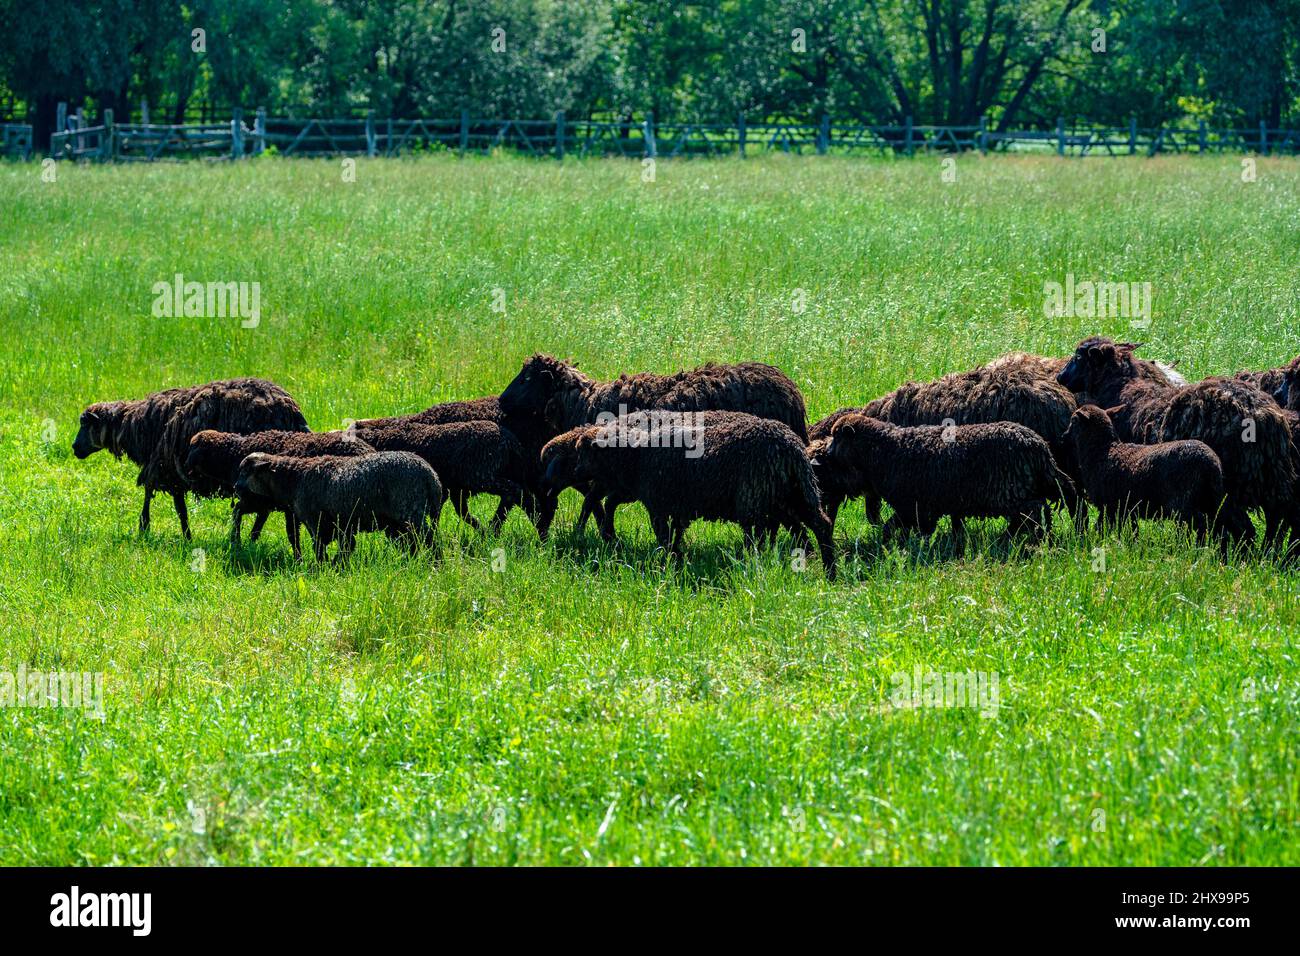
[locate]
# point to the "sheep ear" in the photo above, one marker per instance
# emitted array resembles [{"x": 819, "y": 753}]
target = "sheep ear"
[
  {"x": 1113, "y": 411},
  {"x": 1128, "y": 348}
]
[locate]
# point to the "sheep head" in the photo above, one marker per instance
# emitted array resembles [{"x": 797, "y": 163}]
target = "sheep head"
[
  {"x": 541, "y": 379},
  {"x": 1096, "y": 363},
  {"x": 1288, "y": 393},
  {"x": 97, "y": 429}
]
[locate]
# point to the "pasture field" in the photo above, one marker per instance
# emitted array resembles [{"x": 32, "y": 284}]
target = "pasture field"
[{"x": 570, "y": 703}]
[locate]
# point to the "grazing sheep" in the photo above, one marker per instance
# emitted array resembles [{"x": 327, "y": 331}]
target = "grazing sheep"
[
  {"x": 1252, "y": 438},
  {"x": 1177, "y": 479},
  {"x": 475, "y": 457},
  {"x": 154, "y": 432},
  {"x": 998, "y": 469},
  {"x": 1241, "y": 424},
  {"x": 717, "y": 466},
  {"x": 1004, "y": 391},
  {"x": 576, "y": 399},
  {"x": 212, "y": 466},
  {"x": 393, "y": 492},
  {"x": 531, "y": 429}
]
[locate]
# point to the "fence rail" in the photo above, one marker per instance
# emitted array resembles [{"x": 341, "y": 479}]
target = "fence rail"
[{"x": 127, "y": 142}]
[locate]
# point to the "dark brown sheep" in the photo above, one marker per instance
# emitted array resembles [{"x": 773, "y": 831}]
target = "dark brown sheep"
[
  {"x": 393, "y": 492},
  {"x": 1107, "y": 374},
  {"x": 212, "y": 467},
  {"x": 531, "y": 429},
  {"x": 556, "y": 390},
  {"x": 1177, "y": 479},
  {"x": 716, "y": 466},
  {"x": 1012, "y": 389},
  {"x": 475, "y": 457},
  {"x": 1257, "y": 473},
  {"x": 998, "y": 469},
  {"x": 1252, "y": 438},
  {"x": 154, "y": 432}
]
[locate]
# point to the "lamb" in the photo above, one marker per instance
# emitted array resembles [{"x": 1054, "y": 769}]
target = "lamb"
[
  {"x": 394, "y": 492},
  {"x": 719, "y": 466},
  {"x": 154, "y": 432},
  {"x": 998, "y": 469},
  {"x": 1177, "y": 479},
  {"x": 576, "y": 399},
  {"x": 531, "y": 430},
  {"x": 475, "y": 457},
  {"x": 212, "y": 466}
]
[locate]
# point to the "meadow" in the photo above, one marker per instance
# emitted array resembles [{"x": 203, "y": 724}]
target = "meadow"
[{"x": 571, "y": 703}]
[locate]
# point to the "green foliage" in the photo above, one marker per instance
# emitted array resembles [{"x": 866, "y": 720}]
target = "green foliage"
[
  {"x": 1018, "y": 62},
  {"x": 587, "y": 705}
]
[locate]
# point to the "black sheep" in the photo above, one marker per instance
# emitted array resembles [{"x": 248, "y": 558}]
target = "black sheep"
[
  {"x": 393, "y": 492},
  {"x": 1126, "y": 481},
  {"x": 212, "y": 467},
  {"x": 997, "y": 469}
]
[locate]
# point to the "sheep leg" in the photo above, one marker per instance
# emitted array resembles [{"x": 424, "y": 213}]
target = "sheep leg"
[
  {"x": 872, "y": 505},
  {"x": 543, "y": 512},
  {"x": 320, "y": 542},
  {"x": 806, "y": 515},
  {"x": 292, "y": 527},
  {"x": 512, "y": 493},
  {"x": 258, "y": 524},
  {"x": 144, "y": 514},
  {"x": 460, "y": 502},
  {"x": 606, "y": 519},
  {"x": 178, "y": 499},
  {"x": 590, "y": 505},
  {"x": 236, "y": 521}
]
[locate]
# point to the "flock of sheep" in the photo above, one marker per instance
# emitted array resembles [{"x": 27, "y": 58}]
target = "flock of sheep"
[{"x": 731, "y": 443}]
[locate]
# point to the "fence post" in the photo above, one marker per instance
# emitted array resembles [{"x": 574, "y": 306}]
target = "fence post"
[
  {"x": 370, "y": 133},
  {"x": 464, "y": 131},
  {"x": 236, "y": 133},
  {"x": 60, "y": 123},
  {"x": 984, "y": 135},
  {"x": 648, "y": 134},
  {"x": 259, "y": 131},
  {"x": 1200, "y": 136},
  {"x": 81, "y": 124},
  {"x": 908, "y": 140},
  {"x": 824, "y": 135},
  {"x": 740, "y": 133},
  {"x": 1263, "y": 138},
  {"x": 388, "y": 139},
  {"x": 559, "y": 135},
  {"x": 106, "y": 138},
  {"x": 1060, "y": 136},
  {"x": 144, "y": 110},
  {"x": 1132, "y": 135}
]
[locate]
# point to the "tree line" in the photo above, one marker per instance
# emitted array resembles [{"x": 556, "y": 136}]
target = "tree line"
[{"x": 1020, "y": 63}]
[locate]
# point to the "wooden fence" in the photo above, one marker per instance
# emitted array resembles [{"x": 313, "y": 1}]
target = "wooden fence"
[{"x": 558, "y": 137}]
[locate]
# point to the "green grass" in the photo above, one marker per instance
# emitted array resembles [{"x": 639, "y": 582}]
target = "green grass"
[{"x": 586, "y": 705}]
